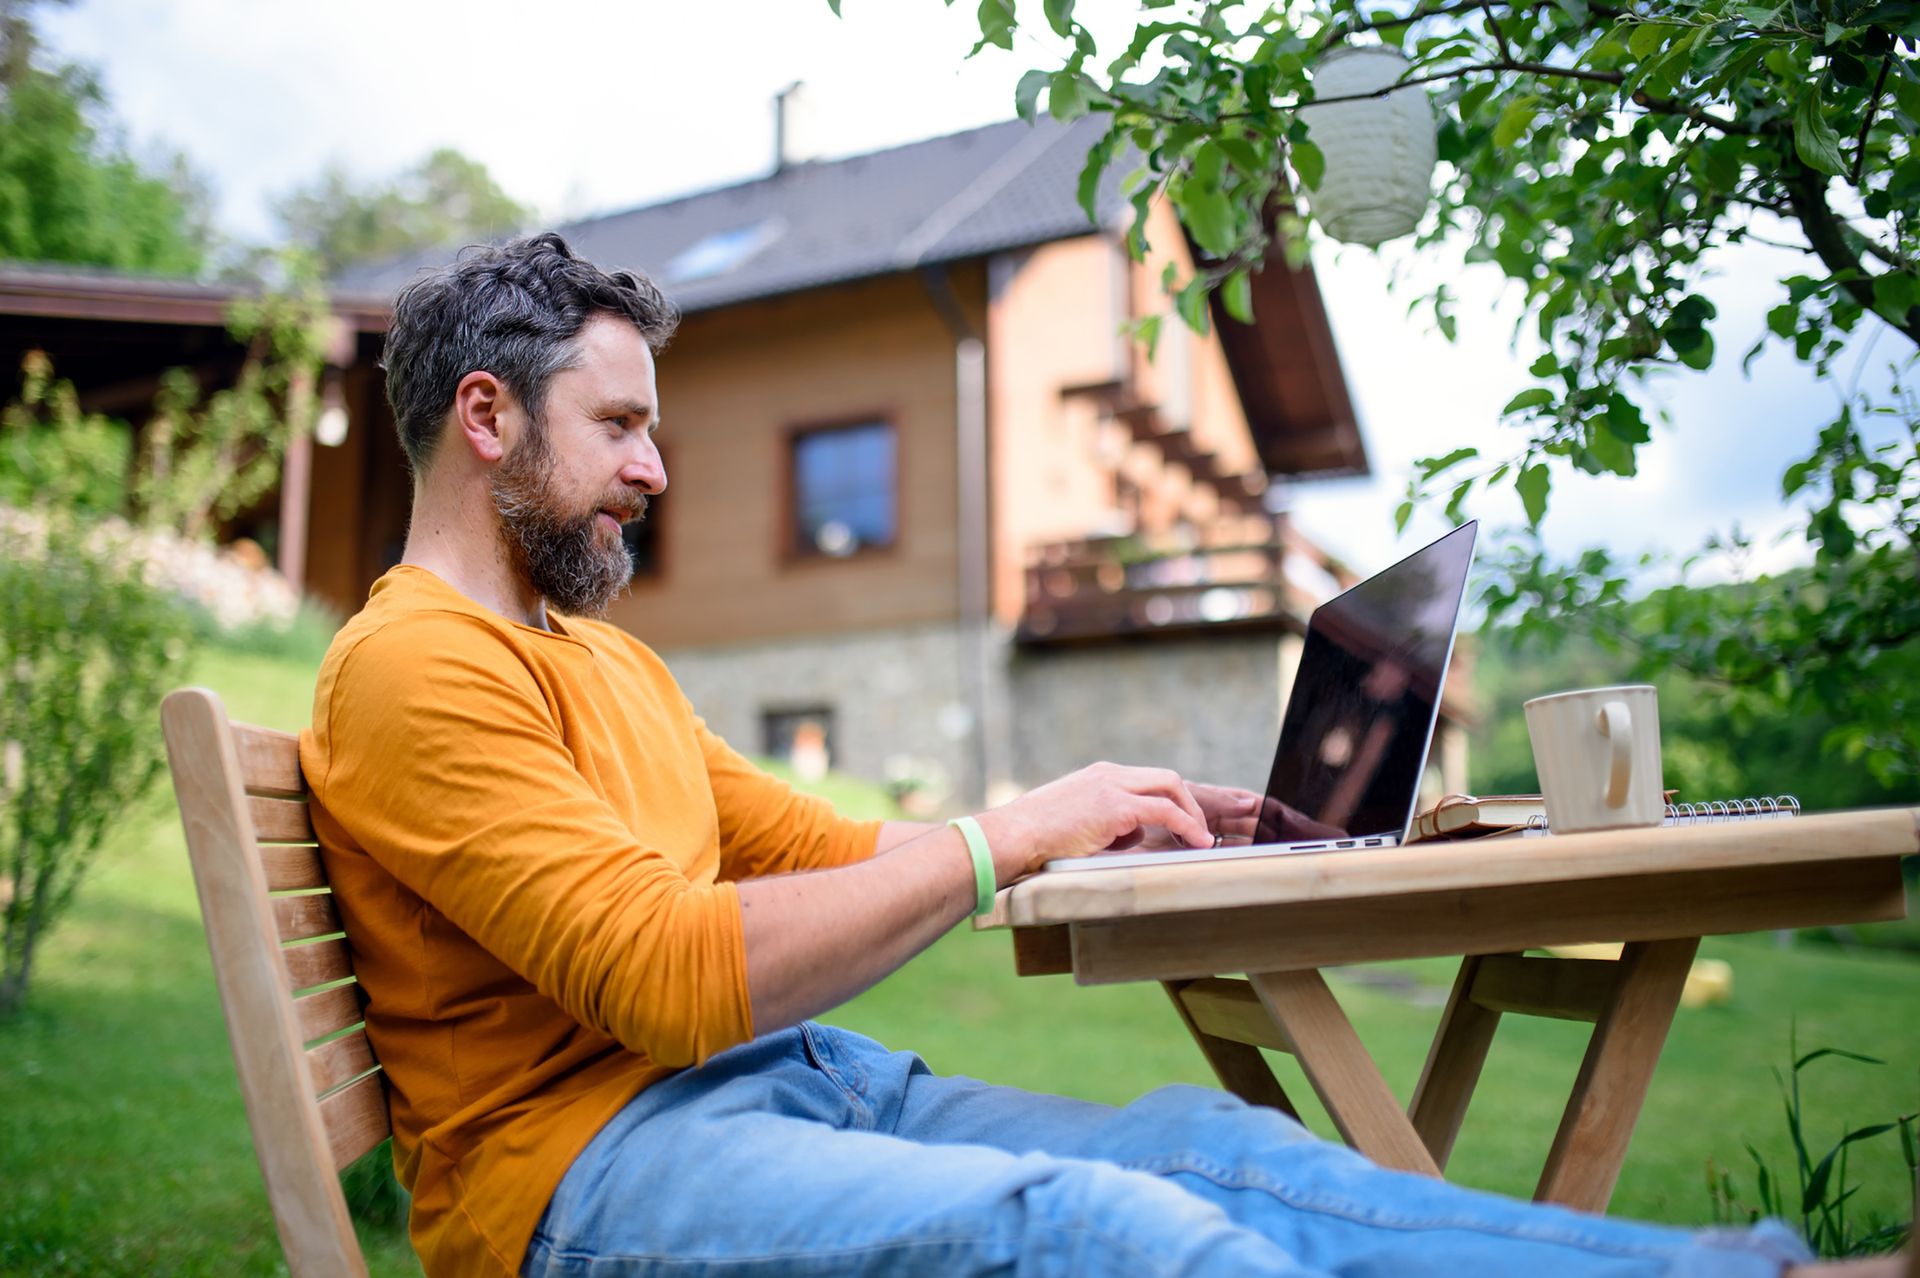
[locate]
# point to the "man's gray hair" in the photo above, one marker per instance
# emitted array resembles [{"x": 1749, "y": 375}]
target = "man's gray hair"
[{"x": 513, "y": 310}]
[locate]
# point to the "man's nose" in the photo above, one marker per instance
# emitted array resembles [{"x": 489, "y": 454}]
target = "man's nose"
[{"x": 644, "y": 469}]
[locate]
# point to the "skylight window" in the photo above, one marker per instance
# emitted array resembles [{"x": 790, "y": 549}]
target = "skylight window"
[{"x": 722, "y": 251}]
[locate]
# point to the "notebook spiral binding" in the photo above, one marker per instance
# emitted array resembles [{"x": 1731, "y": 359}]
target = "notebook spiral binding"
[{"x": 1783, "y": 805}]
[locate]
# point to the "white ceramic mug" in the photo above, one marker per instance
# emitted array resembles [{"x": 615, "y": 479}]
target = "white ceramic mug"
[{"x": 1598, "y": 755}]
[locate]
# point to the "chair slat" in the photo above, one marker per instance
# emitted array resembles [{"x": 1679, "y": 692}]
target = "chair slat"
[
  {"x": 316, "y": 964},
  {"x": 332, "y": 1064},
  {"x": 302, "y": 917},
  {"x": 280, "y": 820},
  {"x": 269, "y": 760},
  {"x": 296, "y": 1148},
  {"x": 329, "y": 1011},
  {"x": 356, "y": 1119},
  {"x": 289, "y": 867}
]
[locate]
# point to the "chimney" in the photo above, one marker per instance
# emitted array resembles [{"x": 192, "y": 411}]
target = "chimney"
[{"x": 793, "y": 141}]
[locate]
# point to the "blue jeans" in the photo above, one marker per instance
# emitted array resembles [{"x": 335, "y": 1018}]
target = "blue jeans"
[{"x": 817, "y": 1151}]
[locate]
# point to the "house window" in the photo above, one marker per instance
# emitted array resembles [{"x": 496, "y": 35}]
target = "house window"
[
  {"x": 801, "y": 736},
  {"x": 643, "y": 541},
  {"x": 843, "y": 489}
]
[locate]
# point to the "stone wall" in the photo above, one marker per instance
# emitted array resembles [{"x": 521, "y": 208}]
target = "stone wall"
[
  {"x": 1207, "y": 707},
  {"x": 895, "y": 694}
]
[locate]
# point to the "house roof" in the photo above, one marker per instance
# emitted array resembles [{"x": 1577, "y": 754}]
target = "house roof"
[
  {"x": 807, "y": 225},
  {"x": 986, "y": 190}
]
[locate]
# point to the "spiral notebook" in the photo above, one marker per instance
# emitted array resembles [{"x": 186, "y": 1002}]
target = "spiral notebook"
[{"x": 1770, "y": 808}]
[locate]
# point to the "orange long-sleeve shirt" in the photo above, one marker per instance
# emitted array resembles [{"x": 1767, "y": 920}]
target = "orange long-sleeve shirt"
[{"x": 532, "y": 840}]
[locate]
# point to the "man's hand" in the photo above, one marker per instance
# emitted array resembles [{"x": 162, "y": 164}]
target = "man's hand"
[
  {"x": 1106, "y": 807},
  {"x": 1230, "y": 815}
]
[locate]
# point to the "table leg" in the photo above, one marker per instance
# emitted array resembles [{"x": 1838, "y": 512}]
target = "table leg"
[
  {"x": 1453, "y": 1065},
  {"x": 1592, "y": 1141},
  {"x": 1345, "y": 1078},
  {"x": 1239, "y": 1066}
]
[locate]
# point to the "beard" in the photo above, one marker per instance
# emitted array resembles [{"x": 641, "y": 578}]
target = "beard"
[{"x": 575, "y": 564}]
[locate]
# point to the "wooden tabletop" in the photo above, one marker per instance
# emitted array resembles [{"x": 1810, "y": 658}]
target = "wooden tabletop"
[{"x": 1503, "y": 862}]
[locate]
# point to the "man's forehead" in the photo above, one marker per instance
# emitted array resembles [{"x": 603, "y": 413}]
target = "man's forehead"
[{"x": 613, "y": 367}]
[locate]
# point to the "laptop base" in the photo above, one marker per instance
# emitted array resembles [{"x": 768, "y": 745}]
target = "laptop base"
[{"x": 1230, "y": 852}]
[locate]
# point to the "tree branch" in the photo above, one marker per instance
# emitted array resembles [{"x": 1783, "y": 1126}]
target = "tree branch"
[
  {"x": 1500, "y": 37},
  {"x": 1807, "y": 193},
  {"x": 1873, "y": 106}
]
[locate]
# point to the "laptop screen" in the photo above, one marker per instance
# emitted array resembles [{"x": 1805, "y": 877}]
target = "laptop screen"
[{"x": 1365, "y": 699}]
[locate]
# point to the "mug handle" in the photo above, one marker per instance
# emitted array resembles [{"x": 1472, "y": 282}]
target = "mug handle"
[{"x": 1616, "y": 724}]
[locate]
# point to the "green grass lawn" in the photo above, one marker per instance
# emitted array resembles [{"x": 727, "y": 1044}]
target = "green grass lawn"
[{"x": 124, "y": 1150}]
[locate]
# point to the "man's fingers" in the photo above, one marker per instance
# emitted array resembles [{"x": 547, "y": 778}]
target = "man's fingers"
[
  {"x": 1166, "y": 782},
  {"x": 1185, "y": 826}
]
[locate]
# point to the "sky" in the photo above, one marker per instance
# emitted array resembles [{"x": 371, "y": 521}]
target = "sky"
[{"x": 581, "y": 108}]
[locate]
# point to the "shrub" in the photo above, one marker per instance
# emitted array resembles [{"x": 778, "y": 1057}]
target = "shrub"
[{"x": 87, "y": 647}]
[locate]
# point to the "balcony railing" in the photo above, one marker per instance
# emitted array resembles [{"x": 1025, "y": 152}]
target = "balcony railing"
[{"x": 1252, "y": 572}]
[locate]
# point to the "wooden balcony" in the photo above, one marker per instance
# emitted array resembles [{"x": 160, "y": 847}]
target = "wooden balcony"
[{"x": 1247, "y": 573}]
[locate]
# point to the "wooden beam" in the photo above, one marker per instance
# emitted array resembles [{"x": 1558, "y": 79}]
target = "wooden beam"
[
  {"x": 1230, "y": 1009},
  {"x": 1238, "y": 1065},
  {"x": 1345, "y": 1078},
  {"x": 1042, "y": 951},
  {"x": 1453, "y": 1065},
  {"x": 1312, "y": 934},
  {"x": 1564, "y": 989},
  {"x": 1592, "y": 1141}
]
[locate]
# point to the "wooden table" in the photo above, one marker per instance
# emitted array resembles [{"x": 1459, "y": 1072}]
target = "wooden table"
[{"x": 1282, "y": 919}]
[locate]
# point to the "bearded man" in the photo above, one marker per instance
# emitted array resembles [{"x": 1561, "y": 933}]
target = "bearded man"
[{"x": 590, "y": 933}]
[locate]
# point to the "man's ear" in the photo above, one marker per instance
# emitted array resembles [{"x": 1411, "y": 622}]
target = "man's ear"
[{"x": 481, "y": 405}]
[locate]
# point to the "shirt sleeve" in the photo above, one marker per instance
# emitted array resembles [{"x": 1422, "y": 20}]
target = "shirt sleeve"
[
  {"x": 451, "y": 773},
  {"x": 768, "y": 827}
]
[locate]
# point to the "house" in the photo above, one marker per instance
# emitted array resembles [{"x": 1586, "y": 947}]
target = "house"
[{"x": 932, "y": 516}]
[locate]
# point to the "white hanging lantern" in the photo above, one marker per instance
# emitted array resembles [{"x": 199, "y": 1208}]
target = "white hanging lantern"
[{"x": 1380, "y": 151}]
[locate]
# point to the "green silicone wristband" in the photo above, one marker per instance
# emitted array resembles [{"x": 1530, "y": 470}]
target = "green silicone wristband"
[{"x": 984, "y": 880}]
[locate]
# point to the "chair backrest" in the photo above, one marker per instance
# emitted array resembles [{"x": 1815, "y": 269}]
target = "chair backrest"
[{"x": 315, "y": 1097}]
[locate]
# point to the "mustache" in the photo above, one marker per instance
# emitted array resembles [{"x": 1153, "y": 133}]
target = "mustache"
[{"x": 629, "y": 506}]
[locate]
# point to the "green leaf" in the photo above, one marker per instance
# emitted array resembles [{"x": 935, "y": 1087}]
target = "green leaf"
[
  {"x": 1236, "y": 294},
  {"x": 996, "y": 25},
  {"x": 1624, "y": 420},
  {"x": 1098, "y": 157},
  {"x": 1066, "y": 95},
  {"x": 1457, "y": 503},
  {"x": 1515, "y": 120},
  {"x": 1533, "y": 397},
  {"x": 1191, "y": 303},
  {"x": 1533, "y": 485},
  {"x": 1783, "y": 319},
  {"x": 1026, "y": 96},
  {"x": 1895, "y": 293},
  {"x": 1147, "y": 330},
  {"x": 1841, "y": 1052},
  {"x": 1431, "y": 466},
  {"x": 1648, "y": 36},
  {"x": 1698, "y": 354},
  {"x": 1612, "y": 452},
  {"x": 1060, "y": 16},
  {"x": 1309, "y": 162},
  {"x": 835, "y": 6},
  {"x": 1401, "y": 514},
  {"x": 1209, "y": 215},
  {"x": 1814, "y": 138}
]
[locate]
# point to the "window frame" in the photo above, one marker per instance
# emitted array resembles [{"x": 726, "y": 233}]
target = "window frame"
[
  {"x": 660, "y": 542},
  {"x": 790, "y": 549}
]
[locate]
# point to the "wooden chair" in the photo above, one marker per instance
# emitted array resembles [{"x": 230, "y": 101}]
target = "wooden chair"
[{"x": 315, "y": 1097}]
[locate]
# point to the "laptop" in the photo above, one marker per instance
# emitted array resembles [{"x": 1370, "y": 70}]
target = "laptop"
[{"x": 1360, "y": 718}]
